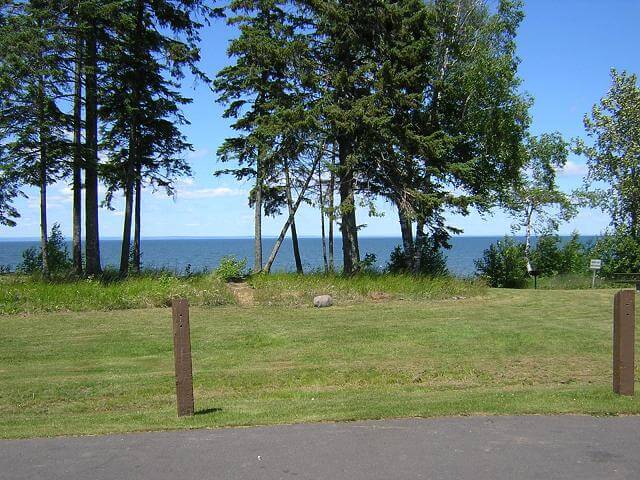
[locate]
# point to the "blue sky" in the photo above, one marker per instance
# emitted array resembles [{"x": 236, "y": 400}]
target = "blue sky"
[{"x": 567, "y": 48}]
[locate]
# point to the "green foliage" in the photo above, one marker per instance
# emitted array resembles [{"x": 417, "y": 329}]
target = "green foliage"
[
  {"x": 574, "y": 256},
  {"x": 432, "y": 260},
  {"x": 619, "y": 252},
  {"x": 265, "y": 91},
  {"x": 550, "y": 257},
  {"x": 535, "y": 201},
  {"x": 504, "y": 265},
  {"x": 58, "y": 254},
  {"x": 34, "y": 73},
  {"x": 231, "y": 268},
  {"x": 368, "y": 264},
  {"x": 614, "y": 157},
  {"x": 398, "y": 261},
  {"x": 9, "y": 190}
]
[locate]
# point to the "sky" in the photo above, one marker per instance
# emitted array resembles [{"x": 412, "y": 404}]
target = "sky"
[{"x": 566, "y": 47}]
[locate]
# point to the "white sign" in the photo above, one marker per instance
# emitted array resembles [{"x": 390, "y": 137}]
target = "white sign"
[{"x": 596, "y": 264}]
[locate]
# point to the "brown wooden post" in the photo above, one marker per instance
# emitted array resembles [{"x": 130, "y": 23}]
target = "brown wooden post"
[
  {"x": 624, "y": 320},
  {"x": 182, "y": 356}
]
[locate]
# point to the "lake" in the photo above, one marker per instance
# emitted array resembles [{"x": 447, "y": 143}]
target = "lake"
[{"x": 205, "y": 253}]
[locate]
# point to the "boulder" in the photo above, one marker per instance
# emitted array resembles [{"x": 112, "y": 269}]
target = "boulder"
[{"x": 322, "y": 301}]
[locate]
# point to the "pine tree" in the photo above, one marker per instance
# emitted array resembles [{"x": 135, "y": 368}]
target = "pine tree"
[
  {"x": 452, "y": 128},
  {"x": 9, "y": 191},
  {"x": 141, "y": 104},
  {"x": 266, "y": 90},
  {"x": 33, "y": 78}
]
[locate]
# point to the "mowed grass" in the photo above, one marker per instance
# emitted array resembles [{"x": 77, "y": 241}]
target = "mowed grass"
[{"x": 504, "y": 352}]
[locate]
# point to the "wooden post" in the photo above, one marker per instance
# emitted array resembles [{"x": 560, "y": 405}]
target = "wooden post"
[
  {"x": 624, "y": 320},
  {"x": 182, "y": 356}
]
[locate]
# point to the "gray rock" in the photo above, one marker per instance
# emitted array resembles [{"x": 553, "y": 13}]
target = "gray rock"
[{"x": 323, "y": 301}]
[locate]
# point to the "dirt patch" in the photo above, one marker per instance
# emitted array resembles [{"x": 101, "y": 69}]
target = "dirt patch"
[
  {"x": 243, "y": 293},
  {"x": 379, "y": 296}
]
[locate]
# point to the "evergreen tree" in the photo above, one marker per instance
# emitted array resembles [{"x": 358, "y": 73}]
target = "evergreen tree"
[
  {"x": 463, "y": 144},
  {"x": 266, "y": 92},
  {"x": 33, "y": 77},
  {"x": 153, "y": 42},
  {"x": 346, "y": 37},
  {"x": 9, "y": 190}
]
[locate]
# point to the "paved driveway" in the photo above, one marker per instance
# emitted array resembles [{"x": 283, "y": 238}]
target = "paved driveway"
[{"x": 475, "y": 448}]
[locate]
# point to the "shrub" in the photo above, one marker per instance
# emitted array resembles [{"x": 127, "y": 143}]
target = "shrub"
[
  {"x": 545, "y": 257},
  {"x": 57, "y": 252},
  {"x": 432, "y": 261},
  {"x": 551, "y": 258},
  {"x": 503, "y": 264},
  {"x": 368, "y": 264},
  {"x": 574, "y": 257},
  {"x": 619, "y": 252},
  {"x": 230, "y": 268}
]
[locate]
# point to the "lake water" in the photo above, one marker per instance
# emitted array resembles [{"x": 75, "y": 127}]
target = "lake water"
[{"x": 205, "y": 253}]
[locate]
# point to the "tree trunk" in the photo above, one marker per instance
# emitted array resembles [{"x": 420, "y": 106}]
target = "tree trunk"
[
  {"x": 133, "y": 160},
  {"x": 44, "y": 240},
  {"x": 294, "y": 233},
  {"x": 322, "y": 229},
  {"x": 332, "y": 213},
  {"x": 407, "y": 235},
  {"x": 137, "y": 264},
  {"x": 283, "y": 232},
  {"x": 43, "y": 146},
  {"x": 527, "y": 242},
  {"x": 417, "y": 246},
  {"x": 632, "y": 206},
  {"x": 126, "y": 230},
  {"x": 77, "y": 160},
  {"x": 92, "y": 241},
  {"x": 257, "y": 223},
  {"x": 292, "y": 212},
  {"x": 349, "y": 226}
]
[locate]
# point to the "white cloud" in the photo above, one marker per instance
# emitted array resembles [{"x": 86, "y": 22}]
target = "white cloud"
[
  {"x": 211, "y": 193},
  {"x": 573, "y": 169},
  {"x": 188, "y": 181}
]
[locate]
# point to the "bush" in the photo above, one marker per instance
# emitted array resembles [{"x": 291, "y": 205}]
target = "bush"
[
  {"x": 432, "y": 261},
  {"x": 574, "y": 257},
  {"x": 503, "y": 264},
  {"x": 368, "y": 264},
  {"x": 619, "y": 252},
  {"x": 545, "y": 257},
  {"x": 231, "y": 268},
  {"x": 551, "y": 258},
  {"x": 57, "y": 252}
]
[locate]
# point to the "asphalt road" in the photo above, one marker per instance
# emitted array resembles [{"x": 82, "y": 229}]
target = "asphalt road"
[{"x": 475, "y": 448}]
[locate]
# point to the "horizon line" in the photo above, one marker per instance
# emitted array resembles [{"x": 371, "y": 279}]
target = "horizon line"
[{"x": 272, "y": 237}]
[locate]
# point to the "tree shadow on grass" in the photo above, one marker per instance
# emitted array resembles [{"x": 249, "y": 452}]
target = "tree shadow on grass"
[{"x": 207, "y": 411}]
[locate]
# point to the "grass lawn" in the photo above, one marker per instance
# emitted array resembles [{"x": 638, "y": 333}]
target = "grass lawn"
[{"x": 503, "y": 352}]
